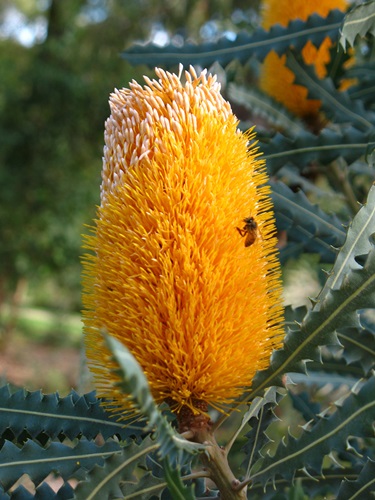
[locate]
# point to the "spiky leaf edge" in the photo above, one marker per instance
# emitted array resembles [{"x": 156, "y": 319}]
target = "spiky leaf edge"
[
  {"x": 296, "y": 34},
  {"x": 355, "y": 417}
]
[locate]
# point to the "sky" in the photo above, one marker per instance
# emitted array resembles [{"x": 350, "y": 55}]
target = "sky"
[{"x": 17, "y": 26}]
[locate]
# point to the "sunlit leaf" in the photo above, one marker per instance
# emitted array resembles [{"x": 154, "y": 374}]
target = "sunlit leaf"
[
  {"x": 296, "y": 34},
  {"x": 359, "y": 21}
]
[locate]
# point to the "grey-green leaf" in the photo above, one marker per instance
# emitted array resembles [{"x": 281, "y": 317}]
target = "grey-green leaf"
[
  {"x": 359, "y": 21},
  {"x": 296, "y": 34},
  {"x": 107, "y": 479},
  {"x": 53, "y": 415},
  {"x": 38, "y": 462},
  {"x": 310, "y": 227},
  {"x": 363, "y": 487},
  {"x": 354, "y": 418},
  {"x": 358, "y": 243},
  {"x": 263, "y": 105},
  {"x": 305, "y": 147}
]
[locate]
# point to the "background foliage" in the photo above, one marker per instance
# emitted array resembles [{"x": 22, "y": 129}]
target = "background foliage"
[{"x": 307, "y": 426}]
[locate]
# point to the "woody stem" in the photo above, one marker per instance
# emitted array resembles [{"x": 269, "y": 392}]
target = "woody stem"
[{"x": 215, "y": 460}]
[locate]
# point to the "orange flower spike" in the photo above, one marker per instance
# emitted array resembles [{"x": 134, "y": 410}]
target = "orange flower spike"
[
  {"x": 274, "y": 70},
  {"x": 170, "y": 276}
]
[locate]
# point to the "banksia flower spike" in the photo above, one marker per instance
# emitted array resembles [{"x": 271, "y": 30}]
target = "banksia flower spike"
[
  {"x": 275, "y": 78},
  {"x": 170, "y": 275}
]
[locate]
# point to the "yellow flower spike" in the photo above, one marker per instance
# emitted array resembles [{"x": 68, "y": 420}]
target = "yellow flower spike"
[
  {"x": 275, "y": 78},
  {"x": 170, "y": 276}
]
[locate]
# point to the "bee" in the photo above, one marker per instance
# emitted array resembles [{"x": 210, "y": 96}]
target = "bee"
[{"x": 250, "y": 230}]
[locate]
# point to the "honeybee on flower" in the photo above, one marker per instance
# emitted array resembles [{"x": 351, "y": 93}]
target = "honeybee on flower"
[{"x": 250, "y": 231}]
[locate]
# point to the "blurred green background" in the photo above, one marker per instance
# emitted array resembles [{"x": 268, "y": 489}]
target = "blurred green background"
[{"x": 59, "y": 60}]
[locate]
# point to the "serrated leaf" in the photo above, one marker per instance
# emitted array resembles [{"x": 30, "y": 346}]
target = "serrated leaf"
[
  {"x": 359, "y": 347},
  {"x": 53, "y": 415},
  {"x": 107, "y": 479},
  {"x": 293, "y": 177},
  {"x": 348, "y": 143},
  {"x": 337, "y": 65},
  {"x": 43, "y": 492},
  {"x": 337, "y": 105},
  {"x": 133, "y": 382},
  {"x": 259, "y": 417},
  {"x": 263, "y": 105},
  {"x": 317, "y": 487},
  {"x": 362, "y": 487},
  {"x": 354, "y": 418},
  {"x": 358, "y": 243},
  {"x": 153, "y": 484},
  {"x": 38, "y": 461},
  {"x": 177, "y": 489},
  {"x": 343, "y": 364},
  {"x": 296, "y": 34},
  {"x": 364, "y": 88},
  {"x": 302, "y": 402},
  {"x": 306, "y": 224},
  {"x": 147, "y": 487},
  {"x": 358, "y": 22}
]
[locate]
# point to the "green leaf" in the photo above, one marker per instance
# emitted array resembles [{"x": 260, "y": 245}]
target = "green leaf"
[
  {"x": 358, "y": 243},
  {"x": 53, "y": 415},
  {"x": 303, "y": 403},
  {"x": 38, "y": 461},
  {"x": 43, "y": 492},
  {"x": 337, "y": 105},
  {"x": 359, "y": 21},
  {"x": 348, "y": 143},
  {"x": 133, "y": 382},
  {"x": 263, "y": 105},
  {"x": 176, "y": 487},
  {"x": 107, "y": 479},
  {"x": 296, "y": 34},
  {"x": 259, "y": 416},
  {"x": 363, "y": 487},
  {"x": 149, "y": 486},
  {"x": 160, "y": 480},
  {"x": 359, "y": 347},
  {"x": 354, "y": 418},
  {"x": 306, "y": 224},
  {"x": 317, "y": 486},
  {"x": 364, "y": 88},
  {"x": 344, "y": 364}
]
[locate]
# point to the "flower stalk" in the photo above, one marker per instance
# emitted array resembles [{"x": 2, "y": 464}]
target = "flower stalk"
[{"x": 216, "y": 462}]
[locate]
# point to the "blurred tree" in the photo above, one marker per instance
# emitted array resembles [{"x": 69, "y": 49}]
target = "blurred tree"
[{"x": 53, "y": 103}]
